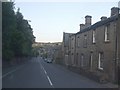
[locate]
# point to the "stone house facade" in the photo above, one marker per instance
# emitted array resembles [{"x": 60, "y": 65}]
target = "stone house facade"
[
  {"x": 95, "y": 48},
  {"x": 65, "y": 47}
]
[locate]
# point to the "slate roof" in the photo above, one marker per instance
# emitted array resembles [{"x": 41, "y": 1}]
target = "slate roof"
[{"x": 99, "y": 23}]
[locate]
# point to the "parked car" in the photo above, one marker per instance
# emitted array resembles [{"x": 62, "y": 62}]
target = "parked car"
[
  {"x": 45, "y": 59},
  {"x": 49, "y": 60}
]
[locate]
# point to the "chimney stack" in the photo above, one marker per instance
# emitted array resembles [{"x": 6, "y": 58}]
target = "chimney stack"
[
  {"x": 114, "y": 11},
  {"x": 103, "y": 18},
  {"x": 88, "y": 20},
  {"x": 82, "y": 26}
]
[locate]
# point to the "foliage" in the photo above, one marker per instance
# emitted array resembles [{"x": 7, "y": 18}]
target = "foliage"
[
  {"x": 35, "y": 52},
  {"x": 17, "y": 34}
]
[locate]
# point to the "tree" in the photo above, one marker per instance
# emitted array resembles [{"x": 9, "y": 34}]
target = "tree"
[
  {"x": 17, "y": 34},
  {"x": 8, "y": 26},
  {"x": 26, "y": 34}
]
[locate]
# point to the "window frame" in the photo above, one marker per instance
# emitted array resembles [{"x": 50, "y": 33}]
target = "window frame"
[
  {"x": 106, "y": 33},
  {"x": 94, "y": 36},
  {"x": 85, "y": 41},
  {"x": 82, "y": 60},
  {"x": 100, "y": 60},
  {"x": 77, "y": 58},
  {"x": 78, "y": 44},
  {"x": 91, "y": 60}
]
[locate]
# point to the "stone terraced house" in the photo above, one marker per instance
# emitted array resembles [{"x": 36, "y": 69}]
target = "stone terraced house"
[{"x": 94, "y": 51}]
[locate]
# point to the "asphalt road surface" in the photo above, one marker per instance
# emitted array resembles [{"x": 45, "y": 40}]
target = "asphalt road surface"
[{"x": 36, "y": 73}]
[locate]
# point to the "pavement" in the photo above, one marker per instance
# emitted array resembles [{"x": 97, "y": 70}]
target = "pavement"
[{"x": 36, "y": 73}]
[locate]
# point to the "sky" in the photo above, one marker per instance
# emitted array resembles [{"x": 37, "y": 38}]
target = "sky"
[{"x": 49, "y": 19}]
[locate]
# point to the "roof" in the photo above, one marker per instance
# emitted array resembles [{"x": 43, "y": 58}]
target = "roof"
[
  {"x": 99, "y": 23},
  {"x": 68, "y": 33}
]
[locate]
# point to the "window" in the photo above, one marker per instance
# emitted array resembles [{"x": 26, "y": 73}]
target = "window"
[
  {"x": 77, "y": 59},
  {"x": 82, "y": 60},
  {"x": 85, "y": 41},
  {"x": 93, "y": 36},
  {"x": 78, "y": 44},
  {"x": 107, "y": 33},
  {"x": 91, "y": 60},
  {"x": 100, "y": 60}
]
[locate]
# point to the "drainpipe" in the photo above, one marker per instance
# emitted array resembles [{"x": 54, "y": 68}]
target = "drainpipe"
[
  {"x": 75, "y": 51},
  {"x": 116, "y": 52},
  {"x": 117, "y": 49}
]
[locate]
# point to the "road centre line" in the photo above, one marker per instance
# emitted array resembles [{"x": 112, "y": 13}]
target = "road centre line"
[
  {"x": 49, "y": 81},
  {"x": 46, "y": 75},
  {"x": 45, "y": 72}
]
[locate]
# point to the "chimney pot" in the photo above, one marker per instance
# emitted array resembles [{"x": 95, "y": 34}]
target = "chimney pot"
[{"x": 103, "y": 18}]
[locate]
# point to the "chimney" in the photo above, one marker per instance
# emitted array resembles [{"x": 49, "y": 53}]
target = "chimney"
[
  {"x": 114, "y": 11},
  {"x": 82, "y": 26},
  {"x": 103, "y": 18},
  {"x": 87, "y": 20}
]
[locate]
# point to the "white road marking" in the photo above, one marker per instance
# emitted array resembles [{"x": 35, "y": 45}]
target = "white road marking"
[
  {"x": 44, "y": 70},
  {"x": 46, "y": 74},
  {"x": 10, "y": 72},
  {"x": 40, "y": 65},
  {"x": 49, "y": 81}
]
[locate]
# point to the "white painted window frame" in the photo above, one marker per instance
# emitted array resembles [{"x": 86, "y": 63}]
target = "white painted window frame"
[
  {"x": 106, "y": 34},
  {"x": 91, "y": 60},
  {"x": 99, "y": 62},
  {"x": 93, "y": 40}
]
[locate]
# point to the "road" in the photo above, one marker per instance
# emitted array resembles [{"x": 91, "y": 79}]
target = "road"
[{"x": 38, "y": 74}]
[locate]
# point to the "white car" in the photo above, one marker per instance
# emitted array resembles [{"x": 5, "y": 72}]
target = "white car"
[{"x": 49, "y": 61}]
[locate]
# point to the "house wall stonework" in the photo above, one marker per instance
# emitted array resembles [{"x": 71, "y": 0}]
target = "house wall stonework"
[
  {"x": 101, "y": 56},
  {"x": 65, "y": 47}
]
